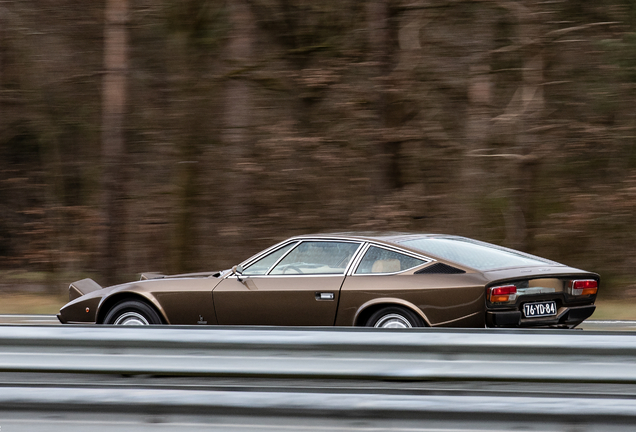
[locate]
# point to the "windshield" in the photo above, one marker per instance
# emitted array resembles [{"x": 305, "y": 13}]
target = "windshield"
[{"x": 474, "y": 253}]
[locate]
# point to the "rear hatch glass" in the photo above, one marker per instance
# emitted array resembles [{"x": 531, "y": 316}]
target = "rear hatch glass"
[{"x": 474, "y": 253}]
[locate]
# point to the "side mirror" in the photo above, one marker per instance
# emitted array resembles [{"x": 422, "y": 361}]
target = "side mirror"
[{"x": 238, "y": 271}]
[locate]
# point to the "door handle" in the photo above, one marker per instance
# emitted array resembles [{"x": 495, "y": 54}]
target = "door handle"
[{"x": 325, "y": 296}]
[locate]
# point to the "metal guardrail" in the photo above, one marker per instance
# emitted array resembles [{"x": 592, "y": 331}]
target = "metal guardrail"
[
  {"x": 422, "y": 354},
  {"x": 512, "y": 357}
]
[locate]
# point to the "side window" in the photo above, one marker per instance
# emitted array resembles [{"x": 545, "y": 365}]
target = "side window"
[
  {"x": 261, "y": 266},
  {"x": 317, "y": 257},
  {"x": 379, "y": 260}
]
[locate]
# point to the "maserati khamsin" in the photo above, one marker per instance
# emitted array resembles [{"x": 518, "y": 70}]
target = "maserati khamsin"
[{"x": 374, "y": 280}]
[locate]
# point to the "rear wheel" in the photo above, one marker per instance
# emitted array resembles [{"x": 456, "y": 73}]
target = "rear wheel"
[
  {"x": 394, "y": 317},
  {"x": 132, "y": 312}
]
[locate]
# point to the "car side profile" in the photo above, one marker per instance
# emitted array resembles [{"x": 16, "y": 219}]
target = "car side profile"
[{"x": 377, "y": 280}]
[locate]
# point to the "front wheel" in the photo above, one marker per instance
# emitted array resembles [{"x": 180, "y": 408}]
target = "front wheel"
[
  {"x": 394, "y": 317},
  {"x": 132, "y": 312}
]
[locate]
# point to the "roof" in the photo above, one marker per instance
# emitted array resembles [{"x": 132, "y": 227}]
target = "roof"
[{"x": 385, "y": 237}]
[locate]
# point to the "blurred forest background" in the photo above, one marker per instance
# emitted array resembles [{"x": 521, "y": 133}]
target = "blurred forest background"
[{"x": 175, "y": 136}]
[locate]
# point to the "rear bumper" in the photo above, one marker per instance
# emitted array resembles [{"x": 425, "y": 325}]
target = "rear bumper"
[{"x": 567, "y": 317}]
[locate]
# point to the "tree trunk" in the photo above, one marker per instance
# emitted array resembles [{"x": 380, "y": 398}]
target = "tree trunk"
[
  {"x": 478, "y": 119},
  {"x": 113, "y": 112},
  {"x": 528, "y": 143},
  {"x": 384, "y": 153},
  {"x": 238, "y": 117},
  {"x": 532, "y": 106},
  {"x": 190, "y": 150}
]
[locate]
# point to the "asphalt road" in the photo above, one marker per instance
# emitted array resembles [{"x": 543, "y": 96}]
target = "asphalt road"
[
  {"x": 29, "y": 319},
  {"x": 609, "y": 325},
  {"x": 591, "y": 325}
]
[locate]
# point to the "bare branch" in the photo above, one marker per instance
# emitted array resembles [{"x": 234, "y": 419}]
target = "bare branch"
[{"x": 560, "y": 32}]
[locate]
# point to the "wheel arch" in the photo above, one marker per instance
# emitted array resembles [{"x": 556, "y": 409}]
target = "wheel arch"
[
  {"x": 369, "y": 308},
  {"x": 110, "y": 301}
]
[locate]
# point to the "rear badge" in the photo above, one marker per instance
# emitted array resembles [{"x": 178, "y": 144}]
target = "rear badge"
[{"x": 201, "y": 321}]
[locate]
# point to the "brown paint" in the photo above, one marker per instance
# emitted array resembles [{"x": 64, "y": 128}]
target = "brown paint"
[{"x": 448, "y": 300}]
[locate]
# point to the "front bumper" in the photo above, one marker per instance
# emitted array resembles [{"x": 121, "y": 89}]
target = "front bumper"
[{"x": 567, "y": 317}]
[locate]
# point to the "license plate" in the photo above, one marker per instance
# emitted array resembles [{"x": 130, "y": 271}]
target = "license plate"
[{"x": 539, "y": 309}]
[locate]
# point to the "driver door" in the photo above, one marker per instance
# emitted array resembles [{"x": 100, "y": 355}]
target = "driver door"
[{"x": 297, "y": 284}]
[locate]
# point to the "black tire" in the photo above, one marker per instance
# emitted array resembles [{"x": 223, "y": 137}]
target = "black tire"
[
  {"x": 132, "y": 312},
  {"x": 394, "y": 317}
]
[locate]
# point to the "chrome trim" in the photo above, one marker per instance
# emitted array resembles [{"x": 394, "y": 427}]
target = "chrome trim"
[
  {"x": 290, "y": 275},
  {"x": 282, "y": 257},
  {"x": 245, "y": 264},
  {"x": 131, "y": 318},
  {"x": 357, "y": 255},
  {"x": 353, "y": 264},
  {"x": 264, "y": 252},
  {"x": 317, "y": 274},
  {"x": 392, "y": 321},
  {"x": 356, "y": 261}
]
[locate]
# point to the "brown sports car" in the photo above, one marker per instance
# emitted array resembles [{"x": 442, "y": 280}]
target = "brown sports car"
[{"x": 374, "y": 280}]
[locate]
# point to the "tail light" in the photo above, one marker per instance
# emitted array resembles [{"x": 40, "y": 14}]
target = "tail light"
[
  {"x": 582, "y": 287},
  {"x": 503, "y": 294}
]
